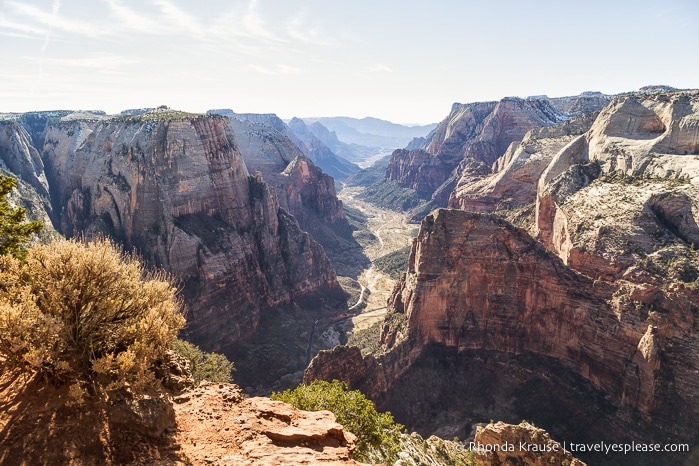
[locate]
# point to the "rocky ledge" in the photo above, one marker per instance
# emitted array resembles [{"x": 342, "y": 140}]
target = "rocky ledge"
[{"x": 215, "y": 425}]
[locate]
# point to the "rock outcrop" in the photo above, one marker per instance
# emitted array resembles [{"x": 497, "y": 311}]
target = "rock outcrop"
[
  {"x": 302, "y": 187},
  {"x": 502, "y": 314},
  {"x": 505, "y": 444},
  {"x": 209, "y": 424},
  {"x": 216, "y": 425},
  {"x": 175, "y": 187},
  {"x": 19, "y": 156}
]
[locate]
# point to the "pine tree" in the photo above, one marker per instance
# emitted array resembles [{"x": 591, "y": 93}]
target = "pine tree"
[{"x": 14, "y": 231}]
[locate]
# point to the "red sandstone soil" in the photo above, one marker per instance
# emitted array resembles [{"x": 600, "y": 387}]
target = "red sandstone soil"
[{"x": 215, "y": 426}]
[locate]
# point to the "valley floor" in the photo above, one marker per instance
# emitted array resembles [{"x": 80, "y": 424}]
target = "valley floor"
[{"x": 391, "y": 232}]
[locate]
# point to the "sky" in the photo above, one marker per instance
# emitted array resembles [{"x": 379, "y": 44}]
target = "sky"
[{"x": 404, "y": 61}]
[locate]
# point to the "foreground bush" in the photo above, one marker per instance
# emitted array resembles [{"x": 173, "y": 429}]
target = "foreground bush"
[
  {"x": 378, "y": 435},
  {"x": 86, "y": 312},
  {"x": 213, "y": 367}
]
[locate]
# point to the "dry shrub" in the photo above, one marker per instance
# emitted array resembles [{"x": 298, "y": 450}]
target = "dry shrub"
[{"x": 85, "y": 311}]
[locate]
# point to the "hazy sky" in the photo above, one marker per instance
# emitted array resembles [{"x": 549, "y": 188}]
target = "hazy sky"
[{"x": 405, "y": 61}]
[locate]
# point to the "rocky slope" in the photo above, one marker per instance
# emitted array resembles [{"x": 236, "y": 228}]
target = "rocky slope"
[
  {"x": 209, "y": 424},
  {"x": 480, "y": 132},
  {"x": 504, "y": 444},
  {"x": 515, "y": 175},
  {"x": 175, "y": 187}
]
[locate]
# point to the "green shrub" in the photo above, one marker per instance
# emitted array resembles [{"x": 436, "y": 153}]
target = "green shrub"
[
  {"x": 213, "y": 367},
  {"x": 376, "y": 432},
  {"x": 86, "y": 313}
]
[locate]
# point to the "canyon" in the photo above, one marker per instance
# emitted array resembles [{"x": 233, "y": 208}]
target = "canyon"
[
  {"x": 175, "y": 188},
  {"x": 554, "y": 276},
  {"x": 580, "y": 316}
]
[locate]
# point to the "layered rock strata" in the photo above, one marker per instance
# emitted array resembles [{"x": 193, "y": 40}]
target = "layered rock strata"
[
  {"x": 177, "y": 190},
  {"x": 484, "y": 297},
  {"x": 467, "y": 143},
  {"x": 515, "y": 175},
  {"x": 19, "y": 159}
]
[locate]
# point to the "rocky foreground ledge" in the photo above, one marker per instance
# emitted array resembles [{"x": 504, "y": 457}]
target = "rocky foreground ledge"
[
  {"x": 212, "y": 424},
  {"x": 216, "y": 425}
]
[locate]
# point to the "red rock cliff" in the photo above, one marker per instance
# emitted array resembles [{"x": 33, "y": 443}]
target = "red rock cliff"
[
  {"x": 177, "y": 189},
  {"x": 477, "y": 286}
]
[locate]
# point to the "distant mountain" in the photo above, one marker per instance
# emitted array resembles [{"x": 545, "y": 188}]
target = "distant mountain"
[
  {"x": 316, "y": 149},
  {"x": 372, "y": 132},
  {"x": 321, "y": 155}
]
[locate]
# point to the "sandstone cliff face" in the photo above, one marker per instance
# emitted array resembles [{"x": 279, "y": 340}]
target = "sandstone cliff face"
[
  {"x": 20, "y": 160},
  {"x": 302, "y": 188},
  {"x": 597, "y": 181},
  {"x": 587, "y": 102},
  {"x": 516, "y": 174},
  {"x": 19, "y": 156},
  {"x": 468, "y": 142},
  {"x": 478, "y": 289},
  {"x": 622, "y": 199},
  {"x": 216, "y": 425},
  {"x": 177, "y": 190}
]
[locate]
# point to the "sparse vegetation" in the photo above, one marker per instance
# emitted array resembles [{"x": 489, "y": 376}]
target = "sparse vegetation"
[
  {"x": 394, "y": 263},
  {"x": 369, "y": 175},
  {"x": 351, "y": 287},
  {"x": 160, "y": 114},
  {"x": 390, "y": 195},
  {"x": 378, "y": 434},
  {"x": 213, "y": 367},
  {"x": 367, "y": 339},
  {"x": 86, "y": 313}
]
